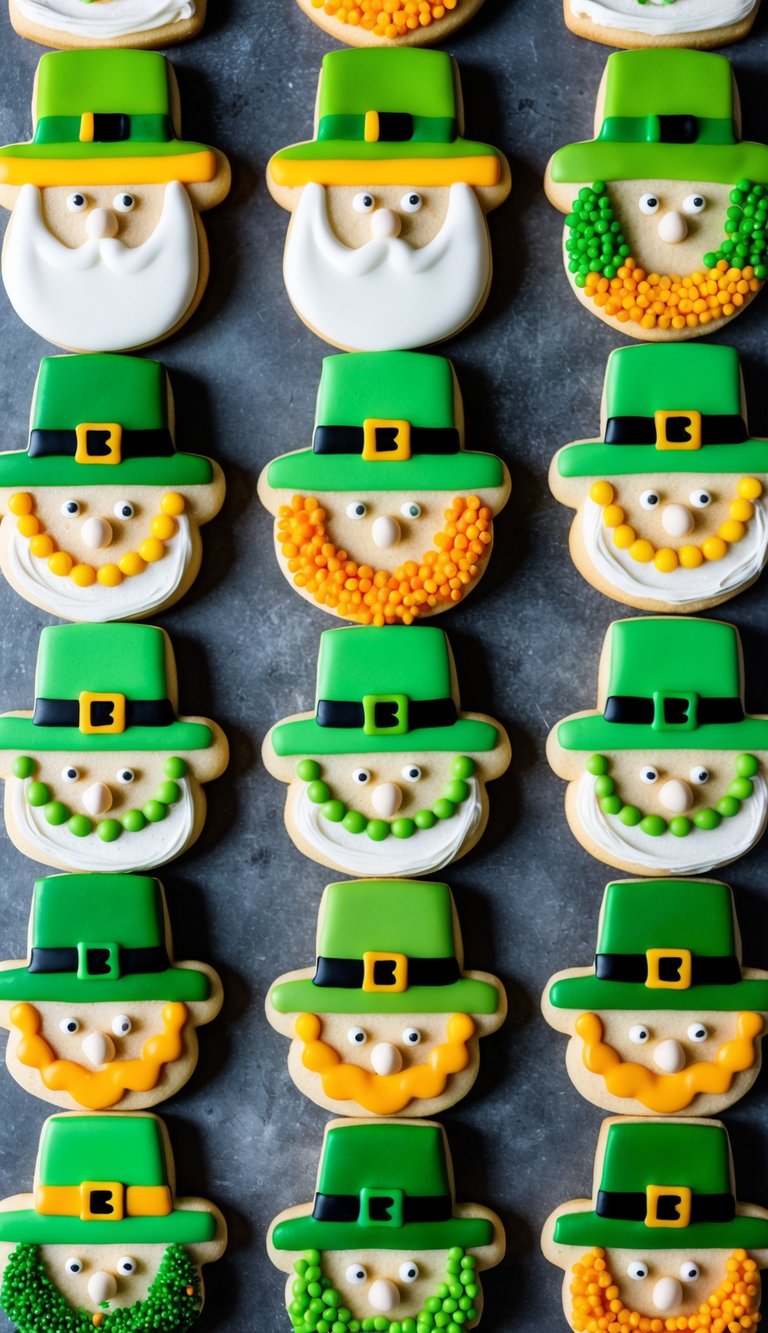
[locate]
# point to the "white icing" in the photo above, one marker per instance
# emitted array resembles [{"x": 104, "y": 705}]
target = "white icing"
[
  {"x": 696, "y": 854},
  {"x": 103, "y": 295},
  {"x": 104, "y": 19},
  {"x": 156, "y": 844},
  {"x": 138, "y": 595},
  {"x": 659, "y": 19},
  {"x": 356, "y": 854},
  {"x": 387, "y": 294},
  {"x": 742, "y": 562}
]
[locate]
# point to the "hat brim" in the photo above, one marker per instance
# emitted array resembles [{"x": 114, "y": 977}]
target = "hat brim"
[
  {"x": 588, "y": 993},
  {"x": 306, "y": 1232},
  {"x": 172, "y": 984},
  {"x": 353, "y": 162},
  {"x": 182, "y": 1226},
  {"x": 305, "y": 737},
  {"x": 588, "y": 1230},
  {"x": 306, "y": 470},
  {"x": 18, "y": 469},
  {"x": 599, "y": 159},
  {"x": 593, "y": 733},
  {"x": 593, "y": 458},
  {"x": 466, "y": 996},
  {"x": 122, "y": 163},
  {"x": 21, "y": 733}
]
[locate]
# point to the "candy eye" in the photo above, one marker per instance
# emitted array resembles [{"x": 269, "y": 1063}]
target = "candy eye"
[
  {"x": 694, "y": 203},
  {"x": 699, "y": 775},
  {"x": 69, "y": 1025},
  {"x": 124, "y": 203},
  {"x": 649, "y": 774},
  {"x": 649, "y": 499},
  {"x": 356, "y": 1037},
  {"x": 409, "y": 1271},
  {"x": 70, "y": 774},
  {"x": 124, "y": 509},
  {"x": 73, "y": 1265},
  {"x": 356, "y": 1274},
  {"x": 125, "y": 775},
  {"x": 648, "y": 203},
  {"x": 637, "y": 1270},
  {"x": 697, "y": 1032},
  {"x": 363, "y": 202},
  {"x": 121, "y": 1025},
  {"x": 689, "y": 1271},
  {"x": 410, "y": 509},
  {"x": 411, "y": 202},
  {"x": 361, "y": 776},
  {"x": 700, "y": 499},
  {"x": 411, "y": 772},
  {"x": 126, "y": 1265},
  {"x": 639, "y": 1034},
  {"x": 356, "y": 509},
  {"x": 76, "y": 202},
  {"x": 411, "y": 1036},
  {"x": 70, "y": 508}
]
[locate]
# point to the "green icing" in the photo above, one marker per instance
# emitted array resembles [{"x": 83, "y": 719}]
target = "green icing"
[
  {"x": 19, "y": 471},
  {"x": 668, "y": 82},
  {"x": 317, "y": 1307},
  {"x": 665, "y": 913},
  {"x": 131, "y": 82},
  {"x": 353, "y": 82},
  {"x": 99, "y": 387},
  {"x": 409, "y": 386}
]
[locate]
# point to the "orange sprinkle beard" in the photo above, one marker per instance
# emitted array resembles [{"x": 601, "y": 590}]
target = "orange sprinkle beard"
[
  {"x": 98, "y": 1089},
  {"x": 596, "y": 1306},
  {"x": 666, "y": 1093},
  {"x": 385, "y": 19},
  {"x": 384, "y": 1094},
  {"x": 657, "y": 301},
  {"x": 376, "y": 597}
]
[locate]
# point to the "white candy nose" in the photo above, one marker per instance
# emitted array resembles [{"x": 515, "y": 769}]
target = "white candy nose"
[
  {"x": 101, "y": 224},
  {"x": 676, "y": 796},
  {"x": 385, "y": 224},
  {"x": 97, "y": 799},
  {"x": 386, "y": 1059},
  {"x": 669, "y": 1056},
  {"x": 96, "y": 533},
  {"x": 386, "y": 531},
  {"x": 99, "y": 1048},
  {"x": 102, "y": 1287},
  {"x": 676, "y": 520},
  {"x": 667, "y": 1293},
  {"x": 386, "y": 799},
  {"x": 383, "y": 1295},
  {"x": 673, "y": 227}
]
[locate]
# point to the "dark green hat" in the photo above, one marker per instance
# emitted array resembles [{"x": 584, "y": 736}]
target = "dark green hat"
[
  {"x": 664, "y": 944},
  {"x": 383, "y": 1187},
  {"x": 670, "y": 407},
  {"x": 674, "y": 683},
  {"x": 105, "y": 1180},
  {"x": 100, "y": 938},
  {"x": 664, "y": 1186},
  {"x": 386, "y": 946}
]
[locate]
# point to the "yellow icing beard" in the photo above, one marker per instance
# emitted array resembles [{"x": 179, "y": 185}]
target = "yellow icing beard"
[
  {"x": 667, "y": 1093},
  {"x": 385, "y": 1094},
  {"x": 598, "y": 1308}
]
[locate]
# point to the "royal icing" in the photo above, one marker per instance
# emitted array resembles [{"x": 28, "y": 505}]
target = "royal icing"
[
  {"x": 105, "y": 22},
  {"x": 661, "y": 18}
]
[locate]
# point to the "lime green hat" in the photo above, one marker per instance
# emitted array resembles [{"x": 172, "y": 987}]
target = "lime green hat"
[
  {"x": 667, "y": 115},
  {"x": 386, "y": 946},
  {"x": 383, "y": 1187},
  {"x": 670, "y": 407},
  {"x": 383, "y": 688},
  {"x": 102, "y": 687},
  {"x": 105, "y": 1180},
  {"x": 101, "y": 420},
  {"x": 674, "y": 683},
  {"x": 386, "y": 421},
  {"x": 664, "y": 1187},
  {"x": 100, "y": 938},
  {"x": 664, "y": 944}
]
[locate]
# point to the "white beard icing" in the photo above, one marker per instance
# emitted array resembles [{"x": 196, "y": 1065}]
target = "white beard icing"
[
  {"x": 658, "y": 19},
  {"x": 153, "y": 846},
  {"x": 741, "y": 564},
  {"x": 695, "y": 854},
  {"x": 387, "y": 294},
  {"x": 102, "y": 296},
  {"x": 135, "y": 596},
  {"x": 104, "y": 19},
  {"x": 355, "y": 854}
]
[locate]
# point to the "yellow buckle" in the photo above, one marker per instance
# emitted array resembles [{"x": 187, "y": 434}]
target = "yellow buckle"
[
  {"x": 86, "y": 127},
  {"x": 98, "y": 442},
  {"x": 682, "y": 957},
  {"x": 686, "y": 435},
  {"x": 386, "y": 441},
  {"x": 681, "y": 1211},
  {"x": 391, "y": 970},
  {"x": 102, "y": 1201},
  {"x": 371, "y": 131},
  {"x": 115, "y": 715}
]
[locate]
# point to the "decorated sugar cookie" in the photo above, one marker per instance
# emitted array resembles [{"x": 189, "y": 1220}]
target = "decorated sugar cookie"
[
  {"x": 98, "y": 1013},
  {"x": 102, "y": 1243},
  {"x": 105, "y": 249},
  {"x": 670, "y": 502},
  {"x": 387, "y": 1022},
  {"x": 101, "y": 513},
  {"x": 388, "y": 245},
  {"x": 667, "y": 1020},
  {"x": 104, "y": 775},
  {"x": 663, "y": 1236},
  {"x": 655, "y": 23},
  {"x": 365, "y": 23},
  {"x": 387, "y": 776},
  {"x": 667, "y": 207},
  {"x": 384, "y": 1237},
  {"x": 387, "y": 479},
  {"x": 668, "y": 775},
  {"x": 85, "y": 23}
]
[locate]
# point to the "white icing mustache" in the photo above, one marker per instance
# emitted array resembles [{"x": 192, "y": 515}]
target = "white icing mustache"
[{"x": 117, "y": 18}]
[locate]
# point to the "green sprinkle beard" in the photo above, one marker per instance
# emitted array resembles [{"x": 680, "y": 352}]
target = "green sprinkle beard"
[
  {"x": 38, "y": 795},
  {"x": 454, "y": 794},
  {"x": 679, "y": 826}
]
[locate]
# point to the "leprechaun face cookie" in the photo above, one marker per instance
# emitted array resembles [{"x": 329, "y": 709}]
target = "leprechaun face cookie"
[
  {"x": 668, "y": 775},
  {"x": 637, "y": 23},
  {"x": 104, "y": 775},
  {"x": 101, "y": 513},
  {"x": 105, "y": 249},
  {"x": 387, "y": 776},
  {"x": 388, "y": 245},
  {"x": 362, "y": 24},
  {"x": 667, "y": 1020},
  {"x": 665, "y": 234},
  {"x": 134, "y": 23},
  {"x": 102, "y": 1241},
  {"x": 663, "y": 1236},
  {"x": 671, "y": 509},
  {"x": 388, "y": 1022},
  {"x": 387, "y": 517},
  {"x": 385, "y": 1237}
]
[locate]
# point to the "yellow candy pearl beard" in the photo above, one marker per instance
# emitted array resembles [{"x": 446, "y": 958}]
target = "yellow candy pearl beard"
[{"x": 666, "y": 560}]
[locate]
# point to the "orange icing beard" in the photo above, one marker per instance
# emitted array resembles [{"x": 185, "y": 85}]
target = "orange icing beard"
[
  {"x": 98, "y": 1089},
  {"x": 666, "y": 1093},
  {"x": 384, "y": 1094},
  {"x": 376, "y": 597},
  {"x": 598, "y": 1308}
]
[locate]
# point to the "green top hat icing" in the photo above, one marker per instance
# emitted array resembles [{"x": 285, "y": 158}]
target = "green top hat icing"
[
  {"x": 78, "y": 402},
  {"x": 393, "y": 408},
  {"x": 93, "y": 1174},
  {"x": 668, "y": 115},
  {"x": 643, "y": 385},
  {"x": 674, "y": 683},
  {"x": 396, "y": 683},
  {"x": 374, "y": 1181},
  {"x": 123, "y": 663},
  {"x": 399, "y": 917},
  {"x": 697, "y": 919},
  {"x": 100, "y": 937},
  {"x": 691, "y": 1162}
]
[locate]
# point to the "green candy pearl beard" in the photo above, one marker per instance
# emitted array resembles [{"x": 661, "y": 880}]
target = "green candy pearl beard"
[
  {"x": 454, "y": 792},
  {"x": 109, "y": 830},
  {"x": 680, "y": 825},
  {"x": 317, "y": 1306}
]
